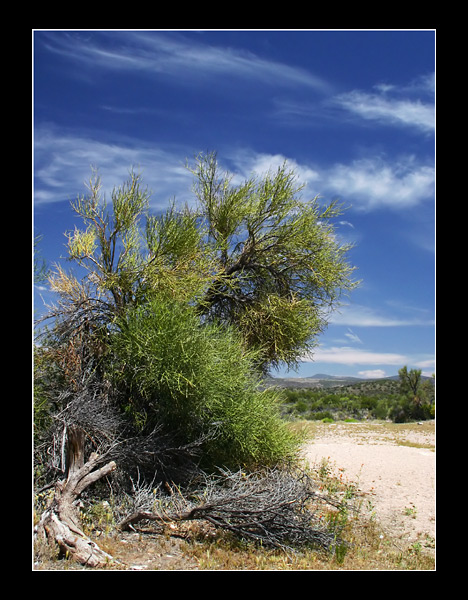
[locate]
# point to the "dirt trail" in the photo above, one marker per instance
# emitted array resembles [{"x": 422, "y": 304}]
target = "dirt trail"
[{"x": 395, "y": 465}]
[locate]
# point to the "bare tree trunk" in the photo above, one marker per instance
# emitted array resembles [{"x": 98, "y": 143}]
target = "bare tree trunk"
[
  {"x": 60, "y": 521},
  {"x": 75, "y": 449}
]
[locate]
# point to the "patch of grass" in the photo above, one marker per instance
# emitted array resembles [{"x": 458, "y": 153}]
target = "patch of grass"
[{"x": 226, "y": 553}]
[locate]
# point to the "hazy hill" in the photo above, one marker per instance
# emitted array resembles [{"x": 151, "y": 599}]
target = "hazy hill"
[
  {"x": 350, "y": 385},
  {"x": 319, "y": 381},
  {"x": 333, "y": 377}
]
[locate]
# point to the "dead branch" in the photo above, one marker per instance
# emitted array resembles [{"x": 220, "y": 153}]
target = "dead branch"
[{"x": 276, "y": 507}]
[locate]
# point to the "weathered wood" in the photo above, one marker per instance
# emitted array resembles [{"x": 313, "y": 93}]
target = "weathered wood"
[
  {"x": 72, "y": 541},
  {"x": 60, "y": 521},
  {"x": 277, "y": 508},
  {"x": 75, "y": 449}
]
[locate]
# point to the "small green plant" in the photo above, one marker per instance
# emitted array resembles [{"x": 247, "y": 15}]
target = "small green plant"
[
  {"x": 411, "y": 511},
  {"x": 332, "y": 480},
  {"x": 415, "y": 548},
  {"x": 98, "y": 516},
  {"x": 340, "y": 553}
]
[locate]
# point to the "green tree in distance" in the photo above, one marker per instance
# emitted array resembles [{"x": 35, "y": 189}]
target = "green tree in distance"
[
  {"x": 410, "y": 381},
  {"x": 418, "y": 396}
]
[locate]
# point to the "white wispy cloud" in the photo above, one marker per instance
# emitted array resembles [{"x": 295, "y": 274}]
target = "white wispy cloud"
[
  {"x": 353, "y": 337},
  {"x": 410, "y": 107},
  {"x": 356, "y": 315},
  {"x": 63, "y": 162},
  {"x": 367, "y": 183},
  {"x": 245, "y": 162},
  {"x": 393, "y": 111},
  {"x": 373, "y": 362},
  {"x": 372, "y": 183},
  {"x": 428, "y": 364},
  {"x": 175, "y": 55},
  {"x": 372, "y": 373},
  {"x": 345, "y": 355}
]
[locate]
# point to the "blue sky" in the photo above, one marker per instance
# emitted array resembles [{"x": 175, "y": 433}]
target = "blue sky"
[{"x": 351, "y": 111}]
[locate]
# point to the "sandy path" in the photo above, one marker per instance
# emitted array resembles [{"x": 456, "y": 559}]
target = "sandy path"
[{"x": 399, "y": 480}]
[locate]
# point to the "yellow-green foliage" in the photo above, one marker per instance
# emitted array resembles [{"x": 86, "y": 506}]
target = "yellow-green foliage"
[
  {"x": 281, "y": 268},
  {"x": 198, "y": 379},
  {"x": 186, "y": 308}
]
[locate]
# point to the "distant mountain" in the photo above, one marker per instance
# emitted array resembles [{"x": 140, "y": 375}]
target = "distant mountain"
[
  {"x": 319, "y": 381},
  {"x": 334, "y": 377},
  {"x": 322, "y": 381}
]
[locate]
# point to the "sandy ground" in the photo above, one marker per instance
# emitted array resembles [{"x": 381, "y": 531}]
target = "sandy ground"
[{"x": 395, "y": 467}]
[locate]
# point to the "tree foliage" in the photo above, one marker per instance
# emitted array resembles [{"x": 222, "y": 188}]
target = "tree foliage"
[
  {"x": 281, "y": 268},
  {"x": 378, "y": 399},
  {"x": 253, "y": 255},
  {"x": 416, "y": 399},
  {"x": 197, "y": 379},
  {"x": 176, "y": 310},
  {"x": 410, "y": 381},
  {"x": 153, "y": 358},
  {"x": 129, "y": 253}
]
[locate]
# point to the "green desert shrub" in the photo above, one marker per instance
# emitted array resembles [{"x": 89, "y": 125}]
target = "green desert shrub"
[{"x": 197, "y": 379}]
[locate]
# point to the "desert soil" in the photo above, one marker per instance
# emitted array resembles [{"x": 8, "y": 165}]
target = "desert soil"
[{"x": 395, "y": 467}]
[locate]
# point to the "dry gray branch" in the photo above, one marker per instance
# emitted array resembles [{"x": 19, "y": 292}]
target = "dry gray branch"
[{"x": 276, "y": 507}]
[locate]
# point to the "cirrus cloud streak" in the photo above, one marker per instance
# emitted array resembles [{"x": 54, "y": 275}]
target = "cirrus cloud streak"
[
  {"x": 188, "y": 60},
  {"x": 368, "y": 183},
  {"x": 63, "y": 159},
  {"x": 356, "y": 315},
  {"x": 351, "y": 356},
  {"x": 372, "y": 107}
]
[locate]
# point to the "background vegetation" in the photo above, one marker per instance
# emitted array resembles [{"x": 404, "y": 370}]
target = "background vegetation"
[{"x": 380, "y": 399}]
